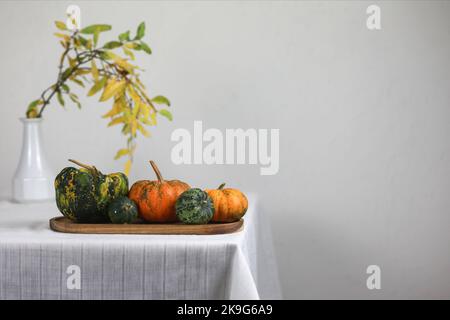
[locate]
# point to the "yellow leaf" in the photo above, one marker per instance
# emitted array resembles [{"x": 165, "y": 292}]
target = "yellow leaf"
[
  {"x": 140, "y": 83},
  {"x": 122, "y": 103},
  {"x": 72, "y": 62},
  {"x": 121, "y": 153},
  {"x": 125, "y": 65},
  {"x": 134, "y": 95},
  {"x": 145, "y": 111},
  {"x": 153, "y": 118},
  {"x": 116, "y": 109},
  {"x": 120, "y": 62},
  {"x": 151, "y": 121},
  {"x": 133, "y": 128},
  {"x": 131, "y": 45},
  {"x": 136, "y": 110},
  {"x": 116, "y": 121},
  {"x": 74, "y": 22},
  {"x": 97, "y": 87},
  {"x": 94, "y": 70},
  {"x": 60, "y": 25},
  {"x": 112, "y": 55},
  {"x": 127, "y": 113},
  {"x": 143, "y": 131},
  {"x": 128, "y": 53},
  {"x": 127, "y": 167},
  {"x": 113, "y": 87},
  {"x": 126, "y": 129},
  {"x": 145, "y": 96},
  {"x": 63, "y": 36},
  {"x": 111, "y": 113},
  {"x": 82, "y": 72},
  {"x": 77, "y": 43}
]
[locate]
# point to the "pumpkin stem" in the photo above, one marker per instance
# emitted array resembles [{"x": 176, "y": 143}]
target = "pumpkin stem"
[
  {"x": 221, "y": 186},
  {"x": 88, "y": 167},
  {"x": 157, "y": 172}
]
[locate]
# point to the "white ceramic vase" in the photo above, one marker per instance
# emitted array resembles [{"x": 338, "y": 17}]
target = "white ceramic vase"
[{"x": 33, "y": 179}]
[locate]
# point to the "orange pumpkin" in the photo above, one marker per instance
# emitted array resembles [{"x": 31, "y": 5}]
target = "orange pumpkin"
[
  {"x": 229, "y": 204},
  {"x": 156, "y": 199}
]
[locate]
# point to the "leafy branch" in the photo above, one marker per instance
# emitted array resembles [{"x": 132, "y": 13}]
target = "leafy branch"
[{"x": 84, "y": 63}]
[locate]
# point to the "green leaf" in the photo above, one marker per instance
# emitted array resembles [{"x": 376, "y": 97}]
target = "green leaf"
[
  {"x": 125, "y": 129},
  {"x": 74, "y": 99},
  {"x": 166, "y": 113},
  {"x": 95, "y": 28},
  {"x": 60, "y": 98},
  {"x": 112, "y": 45},
  {"x": 145, "y": 47},
  {"x": 34, "y": 104},
  {"x": 78, "y": 82},
  {"x": 97, "y": 87},
  {"x": 83, "y": 41},
  {"x": 161, "y": 100},
  {"x": 140, "y": 31},
  {"x": 125, "y": 36},
  {"x": 60, "y": 25},
  {"x": 66, "y": 73},
  {"x": 65, "y": 87},
  {"x": 96, "y": 33},
  {"x": 32, "y": 111}
]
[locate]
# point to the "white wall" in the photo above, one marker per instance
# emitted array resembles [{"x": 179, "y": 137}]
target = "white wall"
[{"x": 363, "y": 118}]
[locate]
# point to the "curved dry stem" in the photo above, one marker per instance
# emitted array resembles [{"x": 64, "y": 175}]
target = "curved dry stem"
[{"x": 157, "y": 172}]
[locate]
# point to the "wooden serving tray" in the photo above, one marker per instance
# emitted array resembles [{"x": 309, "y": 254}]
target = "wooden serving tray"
[{"x": 62, "y": 224}]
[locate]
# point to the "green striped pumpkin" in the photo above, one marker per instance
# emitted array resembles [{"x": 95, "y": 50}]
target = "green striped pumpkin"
[
  {"x": 194, "y": 206},
  {"x": 83, "y": 195},
  {"x": 122, "y": 210}
]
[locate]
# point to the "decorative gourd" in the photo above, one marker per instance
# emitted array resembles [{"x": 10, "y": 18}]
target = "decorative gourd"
[
  {"x": 83, "y": 195},
  {"x": 194, "y": 206},
  {"x": 122, "y": 210},
  {"x": 156, "y": 199},
  {"x": 230, "y": 204}
]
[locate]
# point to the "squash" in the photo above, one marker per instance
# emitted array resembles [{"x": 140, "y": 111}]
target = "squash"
[
  {"x": 194, "y": 206},
  {"x": 122, "y": 210},
  {"x": 84, "y": 194},
  {"x": 230, "y": 204},
  {"x": 156, "y": 199}
]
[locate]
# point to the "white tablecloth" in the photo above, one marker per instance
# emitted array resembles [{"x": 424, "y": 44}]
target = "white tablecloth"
[{"x": 34, "y": 261}]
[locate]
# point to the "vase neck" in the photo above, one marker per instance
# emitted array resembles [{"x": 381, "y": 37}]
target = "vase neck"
[{"x": 32, "y": 138}]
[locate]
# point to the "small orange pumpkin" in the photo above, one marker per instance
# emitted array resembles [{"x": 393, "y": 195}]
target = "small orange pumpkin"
[
  {"x": 229, "y": 204},
  {"x": 156, "y": 199}
]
